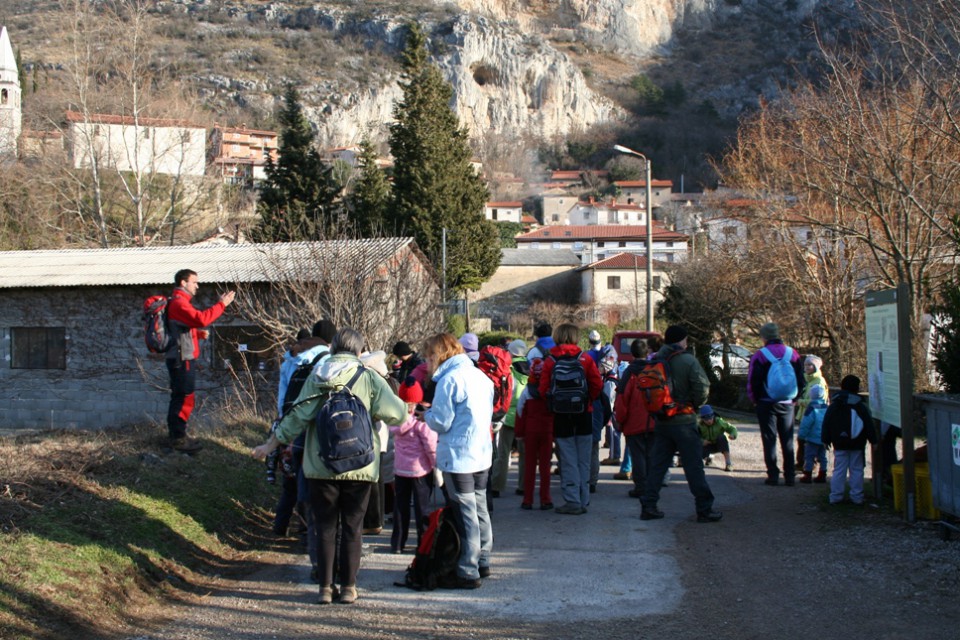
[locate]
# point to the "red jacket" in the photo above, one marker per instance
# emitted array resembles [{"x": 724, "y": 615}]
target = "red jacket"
[
  {"x": 184, "y": 316},
  {"x": 594, "y": 381},
  {"x": 632, "y": 417}
]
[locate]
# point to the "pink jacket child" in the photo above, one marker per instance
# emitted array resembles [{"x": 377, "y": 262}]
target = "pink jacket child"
[{"x": 415, "y": 456}]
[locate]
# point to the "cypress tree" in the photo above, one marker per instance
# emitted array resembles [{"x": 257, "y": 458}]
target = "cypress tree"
[
  {"x": 435, "y": 187},
  {"x": 368, "y": 202},
  {"x": 296, "y": 200}
]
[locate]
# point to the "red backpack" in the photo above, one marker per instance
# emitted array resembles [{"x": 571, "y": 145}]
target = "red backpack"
[
  {"x": 156, "y": 333},
  {"x": 495, "y": 362},
  {"x": 653, "y": 383}
]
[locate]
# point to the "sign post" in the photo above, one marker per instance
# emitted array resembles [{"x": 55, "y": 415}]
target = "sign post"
[{"x": 890, "y": 375}]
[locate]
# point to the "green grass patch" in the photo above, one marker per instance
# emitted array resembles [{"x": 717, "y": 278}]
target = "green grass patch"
[{"x": 96, "y": 525}]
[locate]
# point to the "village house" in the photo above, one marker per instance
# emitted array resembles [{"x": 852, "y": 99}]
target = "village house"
[
  {"x": 635, "y": 191},
  {"x": 592, "y": 212},
  {"x": 150, "y": 145},
  {"x": 71, "y": 332},
  {"x": 11, "y": 116},
  {"x": 504, "y": 211},
  {"x": 524, "y": 277},
  {"x": 592, "y": 243},
  {"x": 616, "y": 287},
  {"x": 239, "y": 155}
]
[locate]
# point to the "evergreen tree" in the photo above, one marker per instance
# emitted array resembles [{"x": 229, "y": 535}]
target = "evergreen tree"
[
  {"x": 435, "y": 186},
  {"x": 368, "y": 202},
  {"x": 296, "y": 200}
]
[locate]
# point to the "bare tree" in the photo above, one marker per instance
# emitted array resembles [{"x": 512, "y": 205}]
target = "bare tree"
[
  {"x": 869, "y": 155},
  {"x": 384, "y": 288}
]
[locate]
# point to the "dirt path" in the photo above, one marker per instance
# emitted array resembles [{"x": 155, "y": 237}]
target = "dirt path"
[{"x": 782, "y": 563}]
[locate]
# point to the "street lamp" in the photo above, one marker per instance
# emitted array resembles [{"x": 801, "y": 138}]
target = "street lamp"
[{"x": 646, "y": 162}]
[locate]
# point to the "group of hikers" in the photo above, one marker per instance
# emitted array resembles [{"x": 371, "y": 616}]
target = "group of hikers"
[{"x": 447, "y": 417}]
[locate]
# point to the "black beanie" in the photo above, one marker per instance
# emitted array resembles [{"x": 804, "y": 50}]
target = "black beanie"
[
  {"x": 674, "y": 334},
  {"x": 402, "y": 349},
  {"x": 325, "y": 330}
]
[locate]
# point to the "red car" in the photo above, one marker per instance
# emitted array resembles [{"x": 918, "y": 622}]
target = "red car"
[{"x": 622, "y": 340}]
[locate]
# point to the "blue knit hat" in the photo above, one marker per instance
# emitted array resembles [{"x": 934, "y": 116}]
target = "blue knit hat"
[{"x": 706, "y": 411}]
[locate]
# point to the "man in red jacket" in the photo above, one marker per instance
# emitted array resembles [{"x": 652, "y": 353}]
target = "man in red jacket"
[{"x": 186, "y": 324}]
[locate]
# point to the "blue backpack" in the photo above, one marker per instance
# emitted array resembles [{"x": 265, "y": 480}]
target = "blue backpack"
[
  {"x": 345, "y": 430},
  {"x": 781, "y": 382}
]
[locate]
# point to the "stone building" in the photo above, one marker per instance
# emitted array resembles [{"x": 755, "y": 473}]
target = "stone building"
[
  {"x": 524, "y": 277},
  {"x": 11, "y": 116},
  {"x": 71, "y": 334}
]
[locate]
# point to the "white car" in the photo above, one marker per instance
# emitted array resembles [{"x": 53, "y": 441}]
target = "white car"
[{"x": 738, "y": 358}]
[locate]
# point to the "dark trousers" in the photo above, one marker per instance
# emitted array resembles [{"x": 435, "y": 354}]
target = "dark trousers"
[
  {"x": 373, "y": 518},
  {"x": 776, "y": 421},
  {"x": 640, "y": 446},
  {"x": 668, "y": 439},
  {"x": 285, "y": 505},
  {"x": 343, "y": 502},
  {"x": 183, "y": 382},
  {"x": 720, "y": 445},
  {"x": 406, "y": 488}
]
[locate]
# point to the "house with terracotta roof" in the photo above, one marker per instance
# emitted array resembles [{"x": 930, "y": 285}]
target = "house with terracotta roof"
[
  {"x": 136, "y": 144},
  {"x": 617, "y": 286},
  {"x": 557, "y": 206},
  {"x": 635, "y": 191},
  {"x": 238, "y": 155},
  {"x": 504, "y": 211},
  {"x": 592, "y": 243}
]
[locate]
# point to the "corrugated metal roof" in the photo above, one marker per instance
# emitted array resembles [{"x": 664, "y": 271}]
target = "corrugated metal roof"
[
  {"x": 157, "y": 265},
  {"x": 539, "y": 258}
]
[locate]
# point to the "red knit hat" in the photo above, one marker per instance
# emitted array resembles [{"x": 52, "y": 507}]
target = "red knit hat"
[{"x": 411, "y": 391}]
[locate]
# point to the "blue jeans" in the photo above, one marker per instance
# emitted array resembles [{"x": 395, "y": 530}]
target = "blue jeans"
[
  {"x": 469, "y": 492},
  {"x": 575, "y": 452},
  {"x": 776, "y": 420},
  {"x": 626, "y": 464},
  {"x": 668, "y": 439},
  {"x": 814, "y": 452}
]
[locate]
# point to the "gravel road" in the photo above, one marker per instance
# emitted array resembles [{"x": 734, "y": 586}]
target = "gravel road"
[{"x": 782, "y": 563}]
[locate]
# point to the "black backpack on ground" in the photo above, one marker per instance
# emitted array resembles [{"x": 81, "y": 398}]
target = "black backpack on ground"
[
  {"x": 568, "y": 385},
  {"x": 297, "y": 379},
  {"x": 345, "y": 430},
  {"x": 438, "y": 552}
]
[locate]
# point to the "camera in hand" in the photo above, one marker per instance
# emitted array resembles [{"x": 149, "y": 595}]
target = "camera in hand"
[{"x": 271, "y": 462}]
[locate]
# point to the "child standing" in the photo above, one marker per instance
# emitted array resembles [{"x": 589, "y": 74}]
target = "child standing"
[
  {"x": 848, "y": 426},
  {"x": 714, "y": 431},
  {"x": 415, "y": 456},
  {"x": 811, "y": 427}
]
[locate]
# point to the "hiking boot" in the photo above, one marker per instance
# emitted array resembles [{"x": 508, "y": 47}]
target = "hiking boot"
[
  {"x": 610, "y": 462},
  {"x": 348, "y": 594},
  {"x": 186, "y": 445},
  {"x": 709, "y": 516},
  {"x": 821, "y": 477},
  {"x": 622, "y": 475},
  {"x": 651, "y": 513},
  {"x": 467, "y": 583},
  {"x": 326, "y": 595},
  {"x": 546, "y": 506},
  {"x": 707, "y": 461},
  {"x": 729, "y": 467},
  {"x": 569, "y": 509},
  {"x": 372, "y": 531},
  {"x": 526, "y": 506},
  {"x": 771, "y": 482},
  {"x": 806, "y": 478},
  {"x": 484, "y": 572}
]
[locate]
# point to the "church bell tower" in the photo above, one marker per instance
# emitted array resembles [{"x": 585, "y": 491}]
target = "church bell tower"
[{"x": 10, "y": 114}]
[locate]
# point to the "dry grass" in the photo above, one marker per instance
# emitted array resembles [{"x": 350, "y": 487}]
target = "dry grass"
[{"x": 116, "y": 519}]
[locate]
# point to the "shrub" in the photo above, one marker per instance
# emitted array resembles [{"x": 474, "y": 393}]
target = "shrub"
[{"x": 946, "y": 349}]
